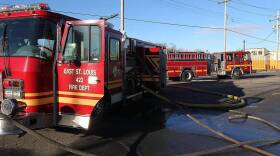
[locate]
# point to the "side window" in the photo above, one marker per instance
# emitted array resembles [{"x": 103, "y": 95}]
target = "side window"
[
  {"x": 77, "y": 45},
  {"x": 229, "y": 57},
  {"x": 95, "y": 43},
  {"x": 114, "y": 49},
  {"x": 236, "y": 57}
]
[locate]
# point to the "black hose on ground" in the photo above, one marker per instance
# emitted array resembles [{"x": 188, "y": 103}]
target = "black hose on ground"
[
  {"x": 239, "y": 102},
  {"x": 209, "y": 92}
]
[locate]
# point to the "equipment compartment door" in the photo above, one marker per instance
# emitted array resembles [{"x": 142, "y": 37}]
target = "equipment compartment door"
[{"x": 80, "y": 74}]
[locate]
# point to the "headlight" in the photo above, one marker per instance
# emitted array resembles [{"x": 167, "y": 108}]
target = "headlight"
[
  {"x": 9, "y": 106},
  {"x": 13, "y": 94}
]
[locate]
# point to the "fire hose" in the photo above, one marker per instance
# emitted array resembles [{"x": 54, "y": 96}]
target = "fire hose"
[
  {"x": 51, "y": 141},
  {"x": 241, "y": 115},
  {"x": 44, "y": 138},
  {"x": 181, "y": 105}
]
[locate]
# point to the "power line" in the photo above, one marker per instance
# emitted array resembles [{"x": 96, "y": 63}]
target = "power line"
[
  {"x": 246, "y": 11},
  {"x": 250, "y": 12},
  {"x": 171, "y": 3},
  {"x": 175, "y": 24},
  {"x": 253, "y": 6},
  {"x": 196, "y": 7},
  {"x": 170, "y": 24},
  {"x": 267, "y": 37},
  {"x": 233, "y": 18}
]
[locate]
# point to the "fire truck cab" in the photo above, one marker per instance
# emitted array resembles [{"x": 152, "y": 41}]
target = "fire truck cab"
[
  {"x": 59, "y": 71},
  {"x": 234, "y": 64}
]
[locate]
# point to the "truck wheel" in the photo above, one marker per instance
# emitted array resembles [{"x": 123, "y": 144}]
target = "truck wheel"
[
  {"x": 236, "y": 74},
  {"x": 100, "y": 111},
  {"x": 187, "y": 75},
  {"x": 221, "y": 76}
]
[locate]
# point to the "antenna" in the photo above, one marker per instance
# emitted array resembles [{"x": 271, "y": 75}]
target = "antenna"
[{"x": 108, "y": 17}]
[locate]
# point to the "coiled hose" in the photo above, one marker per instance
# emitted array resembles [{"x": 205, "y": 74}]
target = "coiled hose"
[{"x": 181, "y": 105}]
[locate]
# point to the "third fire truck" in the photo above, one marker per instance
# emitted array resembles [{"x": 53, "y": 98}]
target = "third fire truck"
[
  {"x": 234, "y": 63},
  {"x": 56, "y": 70}
]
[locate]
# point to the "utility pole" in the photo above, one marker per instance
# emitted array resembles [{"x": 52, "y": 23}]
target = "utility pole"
[
  {"x": 277, "y": 37},
  {"x": 225, "y": 23},
  {"x": 277, "y": 26},
  {"x": 225, "y": 26},
  {"x": 244, "y": 44},
  {"x": 122, "y": 17}
]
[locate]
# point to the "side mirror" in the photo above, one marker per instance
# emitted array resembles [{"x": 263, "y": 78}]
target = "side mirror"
[
  {"x": 2, "y": 36},
  {"x": 1, "y": 45}
]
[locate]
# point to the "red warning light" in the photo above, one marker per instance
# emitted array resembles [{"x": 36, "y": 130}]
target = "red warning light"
[{"x": 154, "y": 50}]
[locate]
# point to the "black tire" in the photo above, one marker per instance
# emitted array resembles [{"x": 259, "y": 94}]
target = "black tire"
[
  {"x": 175, "y": 78},
  {"x": 221, "y": 76},
  {"x": 236, "y": 74},
  {"x": 187, "y": 75},
  {"x": 100, "y": 111}
]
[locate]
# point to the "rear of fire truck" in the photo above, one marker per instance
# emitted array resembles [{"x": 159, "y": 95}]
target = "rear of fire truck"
[{"x": 27, "y": 47}]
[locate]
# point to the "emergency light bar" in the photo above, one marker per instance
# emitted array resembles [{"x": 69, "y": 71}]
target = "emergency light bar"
[
  {"x": 34, "y": 6},
  {"x": 154, "y": 50}
]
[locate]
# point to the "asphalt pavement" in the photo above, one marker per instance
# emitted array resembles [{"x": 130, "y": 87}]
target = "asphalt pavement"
[{"x": 150, "y": 127}]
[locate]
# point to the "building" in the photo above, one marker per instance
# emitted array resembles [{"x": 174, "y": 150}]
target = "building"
[
  {"x": 260, "y": 59},
  {"x": 273, "y": 60}
]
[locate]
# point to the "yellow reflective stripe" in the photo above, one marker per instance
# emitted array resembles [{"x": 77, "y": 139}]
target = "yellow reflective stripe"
[
  {"x": 239, "y": 65},
  {"x": 177, "y": 71},
  {"x": 38, "y": 94},
  {"x": 201, "y": 70},
  {"x": 80, "y": 94},
  {"x": 79, "y": 101},
  {"x": 153, "y": 62},
  {"x": 35, "y": 102}
]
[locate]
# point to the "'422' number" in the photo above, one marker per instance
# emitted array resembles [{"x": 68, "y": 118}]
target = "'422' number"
[{"x": 79, "y": 79}]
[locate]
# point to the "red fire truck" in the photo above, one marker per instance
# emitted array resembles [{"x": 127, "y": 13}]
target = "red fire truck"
[
  {"x": 59, "y": 71},
  {"x": 187, "y": 65},
  {"x": 234, "y": 64}
]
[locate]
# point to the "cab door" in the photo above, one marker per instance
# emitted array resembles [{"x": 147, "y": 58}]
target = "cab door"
[
  {"x": 80, "y": 73},
  {"x": 114, "y": 64}
]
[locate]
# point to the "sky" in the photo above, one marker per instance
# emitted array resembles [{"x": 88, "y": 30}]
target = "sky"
[{"x": 248, "y": 17}]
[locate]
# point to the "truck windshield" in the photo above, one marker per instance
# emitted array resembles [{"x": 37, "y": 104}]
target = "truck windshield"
[{"x": 29, "y": 37}]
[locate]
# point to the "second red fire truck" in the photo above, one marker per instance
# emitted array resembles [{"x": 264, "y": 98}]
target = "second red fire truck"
[
  {"x": 187, "y": 65},
  {"x": 56, "y": 70}
]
